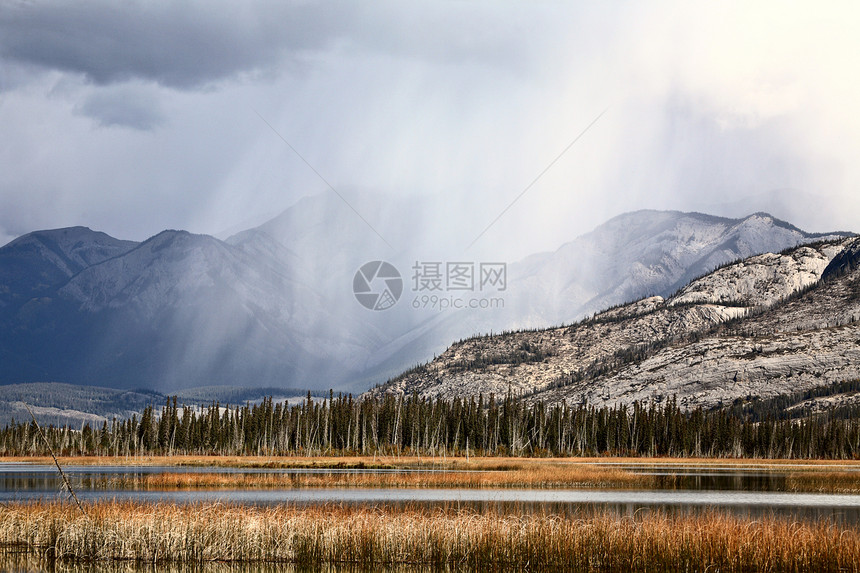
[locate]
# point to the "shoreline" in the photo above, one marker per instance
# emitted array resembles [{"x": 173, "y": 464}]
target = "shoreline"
[
  {"x": 815, "y": 476},
  {"x": 410, "y": 461}
]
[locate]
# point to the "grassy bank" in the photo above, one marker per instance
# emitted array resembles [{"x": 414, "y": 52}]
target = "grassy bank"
[
  {"x": 439, "y": 538},
  {"x": 484, "y": 472},
  {"x": 535, "y": 476},
  {"x": 823, "y": 482},
  {"x": 489, "y": 463}
]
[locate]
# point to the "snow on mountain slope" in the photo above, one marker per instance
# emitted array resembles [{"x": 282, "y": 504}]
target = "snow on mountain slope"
[
  {"x": 639, "y": 254},
  {"x": 633, "y": 255},
  {"x": 780, "y": 337},
  {"x": 803, "y": 343},
  {"x": 71, "y": 249}
]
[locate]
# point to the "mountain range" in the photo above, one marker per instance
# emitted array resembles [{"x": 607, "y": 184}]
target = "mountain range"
[
  {"x": 767, "y": 326},
  {"x": 273, "y": 306}
]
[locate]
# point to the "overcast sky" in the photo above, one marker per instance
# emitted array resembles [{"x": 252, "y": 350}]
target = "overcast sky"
[{"x": 132, "y": 117}]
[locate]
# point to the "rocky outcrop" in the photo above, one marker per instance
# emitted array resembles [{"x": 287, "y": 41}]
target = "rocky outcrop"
[
  {"x": 759, "y": 327},
  {"x": 845, "y": 262}
]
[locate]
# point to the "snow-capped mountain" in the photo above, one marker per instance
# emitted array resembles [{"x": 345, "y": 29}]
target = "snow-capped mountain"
[
  {"x": 642, "y": 253},
  {"x": 273, "y": 305},
  {"x": 630, "y": 256}
]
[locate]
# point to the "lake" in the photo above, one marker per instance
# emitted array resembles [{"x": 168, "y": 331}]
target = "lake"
[
  {"x": 750, "y": 490},
  {"x": 753, "y": 490}
]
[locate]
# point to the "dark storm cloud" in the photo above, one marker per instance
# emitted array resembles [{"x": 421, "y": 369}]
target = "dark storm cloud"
[
  {"x": 193, "y": 45},
  {"x": 173, "y": 44},
  {"x": 137, "y": 115}
]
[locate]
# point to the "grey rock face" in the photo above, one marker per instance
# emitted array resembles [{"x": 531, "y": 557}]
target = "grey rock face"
[{"x": 761, "y": 327}]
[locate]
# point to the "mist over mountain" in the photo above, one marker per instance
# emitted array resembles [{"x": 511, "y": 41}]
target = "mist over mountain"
[
  {"x": 643, "y": 253},
  {"x": 273, "y": 306},
  {"x": 41, "y": 261},
  {"x": 768, "y": 326}
]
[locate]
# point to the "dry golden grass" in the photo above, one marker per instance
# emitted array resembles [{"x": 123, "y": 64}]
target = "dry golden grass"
[
  {"x": 823, "y": 482},
  {"x": 491, "y": 473},
  {"x": 440, "y": 538},
  {"x": 26, "y": 563},
  {"x": 531, "y": 477},
  {"x": 832, "y": 476}
]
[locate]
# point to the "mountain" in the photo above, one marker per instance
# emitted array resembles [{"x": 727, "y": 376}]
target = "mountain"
[
  {"x": 74, "y": 405},
  {"x": 628, "y": 257},
  {"x": 273, "y": 306},
  {"x": 642, "y": 253},
  {"x": 38, "y": 263},
  {"x": 175, "y": 311},
  {"x": 68, "y": 404},
  {"x": 766, "y": 326}
]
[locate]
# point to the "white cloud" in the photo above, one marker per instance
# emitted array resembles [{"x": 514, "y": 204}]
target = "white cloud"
[{"x": 710, "y": 106}]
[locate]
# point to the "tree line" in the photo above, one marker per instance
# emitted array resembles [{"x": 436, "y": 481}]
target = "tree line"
[{"x": 410, "y": 425}]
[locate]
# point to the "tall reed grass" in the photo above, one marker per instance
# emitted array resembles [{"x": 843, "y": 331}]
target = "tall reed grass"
[{"x": 438, "y": 538}]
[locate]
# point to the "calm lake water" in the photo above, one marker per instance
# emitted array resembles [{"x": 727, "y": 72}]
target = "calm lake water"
[
  {"x": 753, "y": 491},
  {"x": 28, "y": 564},
  {"x": 24, "y": 563},
  {"x": 746, "y": 490}
]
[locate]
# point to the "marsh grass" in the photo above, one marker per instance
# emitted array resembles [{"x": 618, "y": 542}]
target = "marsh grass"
[
  {"x": 823, "y": 482},
  {"x": 26, "y": 563},
  {"x": 436, "y": 538},
  {"x": 821, "y": 476},
  {"x": 527, "y": 477},
  {"x": 532, "y": 474}
]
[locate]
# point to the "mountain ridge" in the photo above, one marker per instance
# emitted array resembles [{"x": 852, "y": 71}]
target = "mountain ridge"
[
  {"x": 272, "y": 305},
  {"x": 706, "y": 346}
]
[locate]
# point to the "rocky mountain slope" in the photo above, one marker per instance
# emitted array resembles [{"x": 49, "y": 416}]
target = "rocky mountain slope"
[
  {"x": 632, "y": 255},
  {"x": 764, "y": 326},
  {"x": 642, "y": 253},
  {"x": 273, "y": 306}
]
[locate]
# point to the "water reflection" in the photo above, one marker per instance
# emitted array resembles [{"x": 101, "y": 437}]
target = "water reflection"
[
  {"x": 32, "y": 477},
  {"x": 835, "y": 507},
  {"x": 28, "y": 563},
  {"x": 40, "y": 477},
  {"x": 741, "y": 490}
]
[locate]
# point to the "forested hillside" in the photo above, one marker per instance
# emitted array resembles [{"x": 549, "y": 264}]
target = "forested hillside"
[{"x": 477, "y": 426}]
